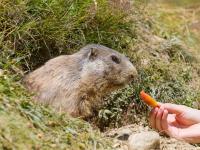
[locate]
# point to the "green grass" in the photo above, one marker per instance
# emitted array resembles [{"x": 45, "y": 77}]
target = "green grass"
[
  {"x": 172, "y": 20},
  {"x": 34, "y": 31}
]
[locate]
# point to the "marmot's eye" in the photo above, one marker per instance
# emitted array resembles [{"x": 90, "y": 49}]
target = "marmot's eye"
[{"x": 115, "y": 59}]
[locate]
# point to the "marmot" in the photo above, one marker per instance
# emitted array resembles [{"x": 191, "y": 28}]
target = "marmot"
[{"x": 77, "y": 83}]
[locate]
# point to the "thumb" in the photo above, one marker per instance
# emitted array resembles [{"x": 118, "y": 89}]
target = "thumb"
[{"x": 173, "y": 108}]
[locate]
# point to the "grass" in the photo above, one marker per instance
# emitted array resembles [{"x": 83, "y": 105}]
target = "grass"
[
  {"x": 35, "y": 31},
  {"x": 178, "y": 20}
]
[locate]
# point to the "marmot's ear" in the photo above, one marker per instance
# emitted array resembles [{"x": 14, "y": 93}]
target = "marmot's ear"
[{"x": 93, "y": 53}]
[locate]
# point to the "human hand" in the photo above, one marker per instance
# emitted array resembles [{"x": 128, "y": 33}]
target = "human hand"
[{"x": 177, "y": 121}]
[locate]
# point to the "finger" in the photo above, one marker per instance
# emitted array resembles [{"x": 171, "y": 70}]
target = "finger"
[
  {"x": 159, "y": 118},
  {"x": 152, "y": 118},
  {"x": 173, "y": 108},
  {"x": 164, "y": 123}
]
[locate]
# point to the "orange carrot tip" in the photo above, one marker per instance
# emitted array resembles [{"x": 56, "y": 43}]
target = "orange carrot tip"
[{"x": 148, "y": 99}]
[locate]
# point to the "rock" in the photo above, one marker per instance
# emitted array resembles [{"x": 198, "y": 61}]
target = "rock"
[
  {"x": 124, "y": 134},
  {"x": 144, "y": 141}
]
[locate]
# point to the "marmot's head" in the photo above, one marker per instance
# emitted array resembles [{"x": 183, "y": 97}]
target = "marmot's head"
[{"x": 104, "y": 65}]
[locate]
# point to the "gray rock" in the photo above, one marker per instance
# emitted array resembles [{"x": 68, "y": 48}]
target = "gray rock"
[
  {"x": 144, "y": 141},
  {"x": 124, "y": 134}
]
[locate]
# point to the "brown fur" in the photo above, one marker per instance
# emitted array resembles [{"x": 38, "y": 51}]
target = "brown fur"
[{"x": 76, "y": 83}]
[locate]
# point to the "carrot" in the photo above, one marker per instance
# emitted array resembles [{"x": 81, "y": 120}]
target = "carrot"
[{"x": 148, "y": 99}]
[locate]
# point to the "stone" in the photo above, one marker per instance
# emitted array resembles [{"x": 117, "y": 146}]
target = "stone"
[
  {"x": 144, "y": 141},
  {"x": 124, "y": 134}
]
